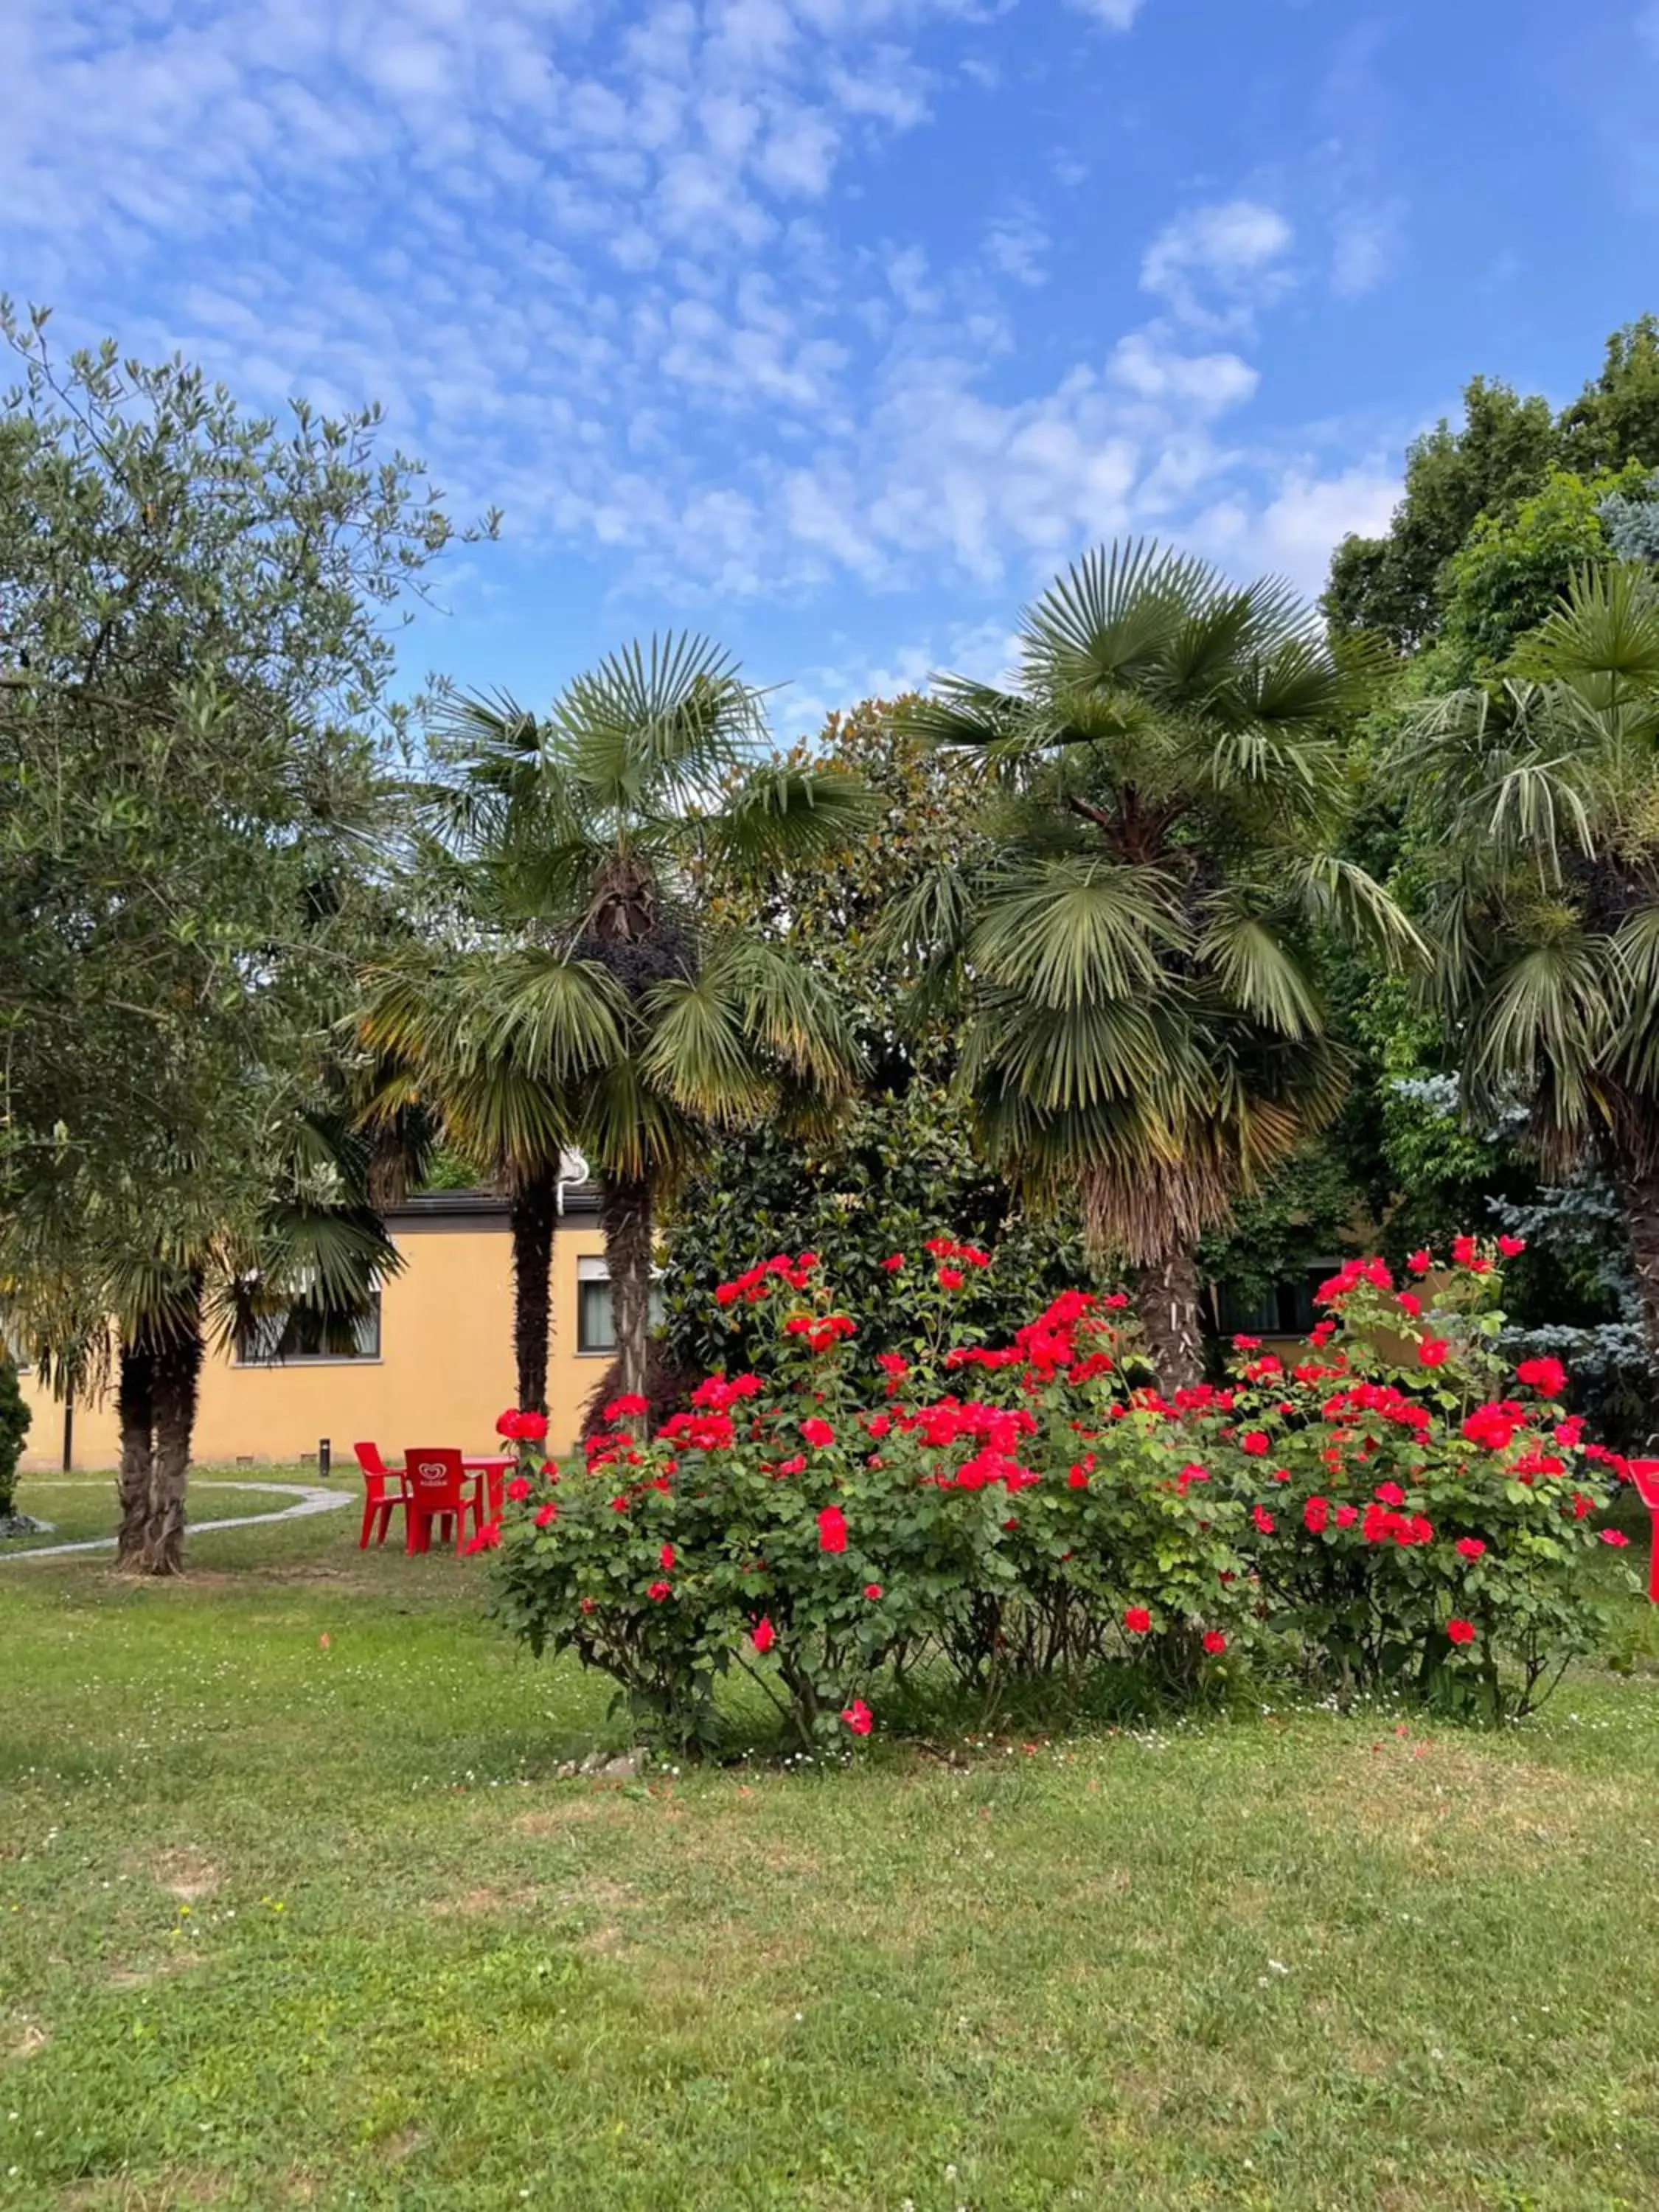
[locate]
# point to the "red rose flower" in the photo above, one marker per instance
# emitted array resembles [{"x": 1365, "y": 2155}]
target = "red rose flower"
[
  {"x": 1511, "y": 1246},
  {"x": 625, "y": 1408},
  {"x": 1471, "y": 1548},
  {"x": 1078, "y": 1477},
  {"x": 1347, "y": 1516},
  {"x": 1137, "y": 1620},
  {"x": 518, "y": 1489},
  {"x": 1315, "y": 1514},
  {"x": 950, "y": 1279},
  {"x": 832, "y": 1529},
  {"x": 1461, "y": 1631},
  {"x": 1615, "y": 1536},
  {"x": 873, "y": 1591},
  {"x": 1257, "y": 1444},
  {"x": 1433, "y": 1351},
  {"x": 893, "y": 1262},
  {"x": 1215, "y": 1644},
  {"x": 817, "y": 1432},
  {"x": 1410, "y": 1304},
  {"x": 1547, "y": 1376},
  {"x": 857, "y": 1717},
  {"x": 666, "y": 1559},
  {"x": 486, "y": 1539},
  {"x": 1420, "y": 1263},
  {"x": 658, "y": 1591},
  {"x": 1390, "y": 1493},
  {"x": 1263, "y": 1519},
  {"x": 547, "y": 1515},
  {"x": 763, "y": 1635}
]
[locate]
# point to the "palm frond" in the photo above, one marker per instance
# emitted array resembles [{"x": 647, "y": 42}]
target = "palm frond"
[
  {"x": 1073, "y": 932},
  {"x": 783, "y": 816},
  {"x": 659, "y": 726}
]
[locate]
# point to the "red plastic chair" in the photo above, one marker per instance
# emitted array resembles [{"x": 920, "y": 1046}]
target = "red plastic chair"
[
  {"x": 439, "y": 1489},
  {"x": 1644, "y": 1473},
  {"x": 384, "y": 1490}
]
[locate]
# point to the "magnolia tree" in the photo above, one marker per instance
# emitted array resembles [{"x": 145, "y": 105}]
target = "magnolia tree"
[{"x": 1387, "y": 1509}]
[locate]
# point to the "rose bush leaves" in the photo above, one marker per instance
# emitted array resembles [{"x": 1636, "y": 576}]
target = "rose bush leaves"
[{"x": 1382, "y": 1509}]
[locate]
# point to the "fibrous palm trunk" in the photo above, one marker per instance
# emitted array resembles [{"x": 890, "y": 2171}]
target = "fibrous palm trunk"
[
  {"x": 625, "y": 1218},
  {"x": 535, "y": 1203},
  {"x": 157, "y": 1400},
  {"x": 136, "y": 1406},
  {"x": 1167, "y": 1299},
  {"x": 1638, "y": 1186},
  {"x": 178, "y": 1371}
]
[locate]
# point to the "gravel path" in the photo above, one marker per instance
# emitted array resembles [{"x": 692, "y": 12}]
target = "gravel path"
[{"x": 307, "y": 1500}]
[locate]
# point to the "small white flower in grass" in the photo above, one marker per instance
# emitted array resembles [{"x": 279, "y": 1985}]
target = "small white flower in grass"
[{"x": 1277, "y": 1967}]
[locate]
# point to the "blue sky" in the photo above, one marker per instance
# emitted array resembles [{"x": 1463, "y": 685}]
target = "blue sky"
[{"x": 834, "y": 326}]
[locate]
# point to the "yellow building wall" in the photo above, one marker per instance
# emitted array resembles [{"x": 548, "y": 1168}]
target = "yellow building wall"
[{"x": 444, "y": 1372}]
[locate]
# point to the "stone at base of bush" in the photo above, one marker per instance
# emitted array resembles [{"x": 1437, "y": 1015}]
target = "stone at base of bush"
[{"x": 20, "y": 1524}]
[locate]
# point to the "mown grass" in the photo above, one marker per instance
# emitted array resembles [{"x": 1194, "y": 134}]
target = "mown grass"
[
  {"x": 296, "y": 1910},
  {"x": 79, "y": 1507}
]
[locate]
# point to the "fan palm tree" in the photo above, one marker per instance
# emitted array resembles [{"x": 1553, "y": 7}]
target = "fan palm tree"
[
  {"x": 614, "y": 982},
  {"x": 1137, "y": 962},
  {"x": 1535, "y": 805}
]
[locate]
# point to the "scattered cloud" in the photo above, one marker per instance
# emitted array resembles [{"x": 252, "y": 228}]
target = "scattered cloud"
[
  {"x": 1218, "y": 265},
  {"x": 1365, "y": 250},
  {"x": 1115, "y": 15},
  {"x": 638, "y": 280},
  {"x": 1017, "y": 246}
]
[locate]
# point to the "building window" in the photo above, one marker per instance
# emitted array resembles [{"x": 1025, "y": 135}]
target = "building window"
[
  {"x": 281, "y": 1340},
  {"x": 1285, "y": 1309},
  {"x": 596, "y": 1320}
]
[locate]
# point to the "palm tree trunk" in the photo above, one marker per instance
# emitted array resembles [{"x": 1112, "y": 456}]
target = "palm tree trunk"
[
  {"x": 1638, "y": 1186},
  {"x": 625, "y": 1217},
  {"x": 177, "y": 1370},
  {"x": 534, "y": 1202},
  {"x": 136, "y": 1406},
  {"x": 1166, "y": 1292}
]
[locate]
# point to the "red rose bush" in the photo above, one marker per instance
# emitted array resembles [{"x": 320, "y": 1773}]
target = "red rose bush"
[{"x": 1384, "y": 1508}]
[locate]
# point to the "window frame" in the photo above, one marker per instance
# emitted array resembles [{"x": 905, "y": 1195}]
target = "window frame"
[{"x": 374, "y": 1358}]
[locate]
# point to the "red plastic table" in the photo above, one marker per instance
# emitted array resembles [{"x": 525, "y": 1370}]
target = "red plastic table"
[
  {"x": 1644, "y": 1473},
  {"x": 492, "y": 1471}
]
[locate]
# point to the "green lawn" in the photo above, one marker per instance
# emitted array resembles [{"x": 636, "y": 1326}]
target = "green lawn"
[
  {"x": 294, "y": 1909},
  {"x": 79, "y": 1506}
]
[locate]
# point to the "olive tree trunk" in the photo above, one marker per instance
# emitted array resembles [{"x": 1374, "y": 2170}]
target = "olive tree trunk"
[
  {"x": 535, "y": 1204},
  {"x": 625, "y": 1218},
  {"x": 1166, "y": 1292}
]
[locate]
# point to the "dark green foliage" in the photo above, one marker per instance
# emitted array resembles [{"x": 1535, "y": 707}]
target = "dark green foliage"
[
  {"x": 1501, "y": 452},
  {"x": 901, "y": 1170},
  {"x": 1615, "y": 419},
  {"x": 14, "y": 1419},
  {"x": 1516, "y": 565}
]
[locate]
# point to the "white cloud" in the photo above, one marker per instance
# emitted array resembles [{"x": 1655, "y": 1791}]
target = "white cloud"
[
  {"x": 1146, "y": 363},
  {"x": 1365, "y": 250},
  {"x": 1115, "y": 15},
  {"x": 600, "y": 273},
  {"x": 1017, "y": 246},
  {"x": 1293, "y": 532},
  {"x": 1214, "y": 265}
]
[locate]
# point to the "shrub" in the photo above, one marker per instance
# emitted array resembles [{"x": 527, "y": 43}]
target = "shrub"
[
  {"x": 15, "y": 1419},
  {"x": 836, "y": 1520},
  {"x": 1379, "y": 1509},
  {"x": 1416, "y": 1517}
]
